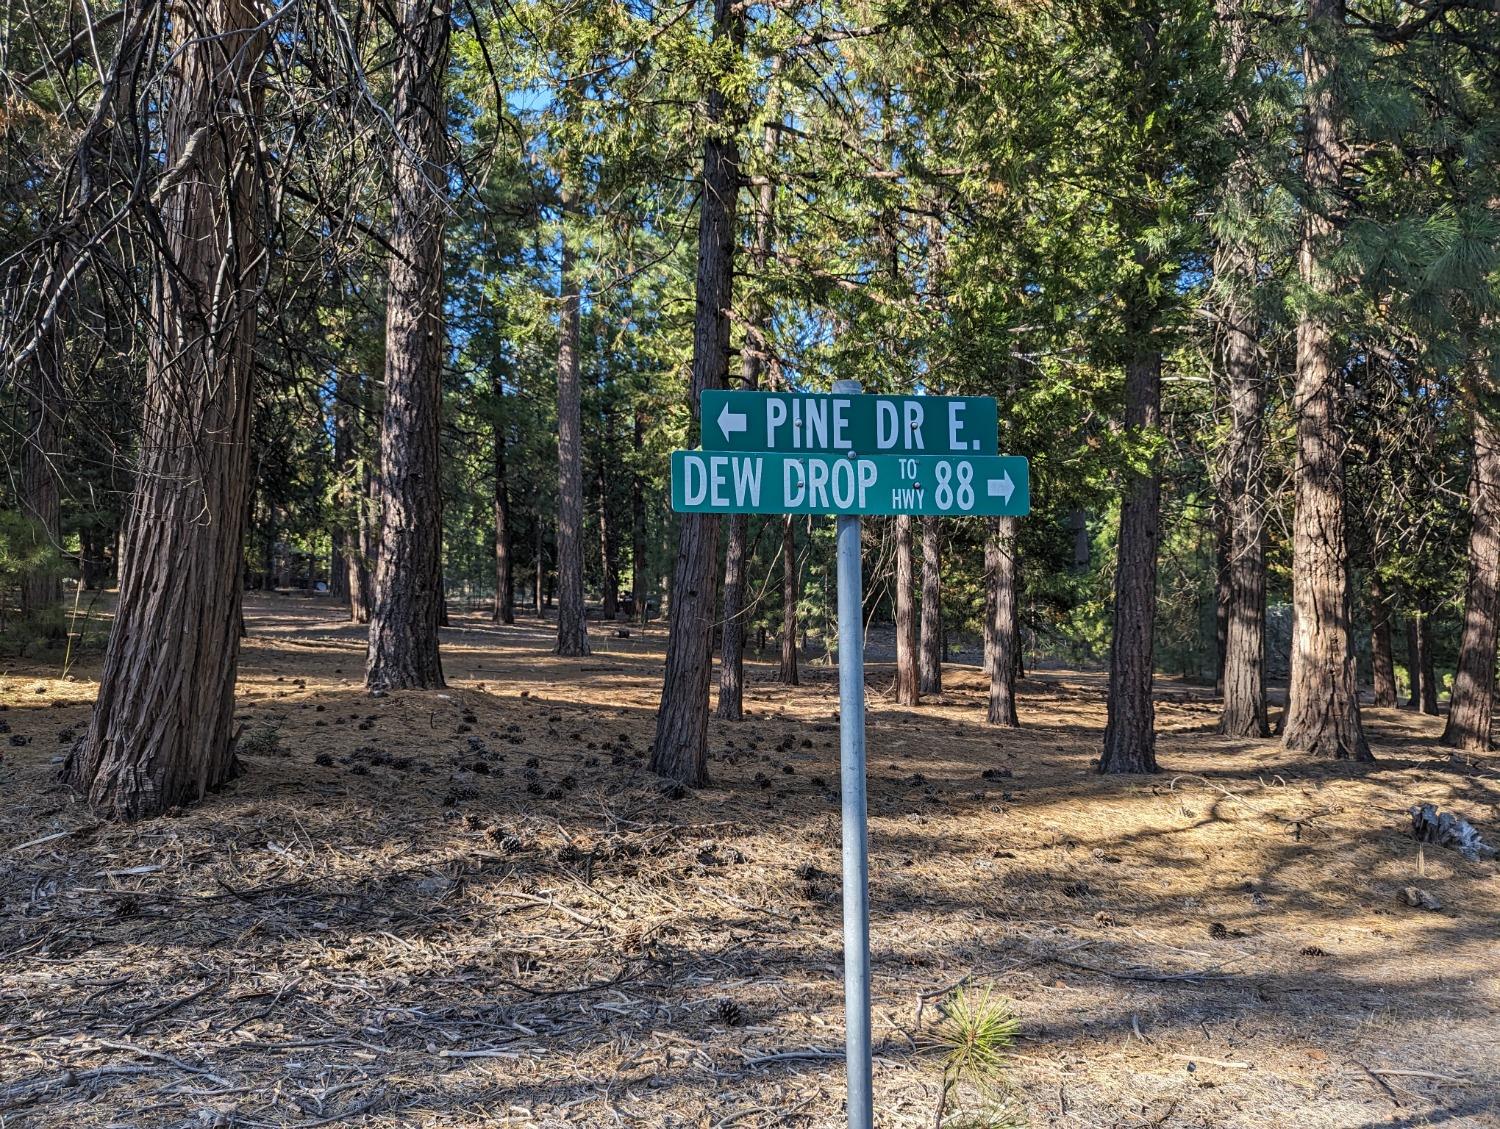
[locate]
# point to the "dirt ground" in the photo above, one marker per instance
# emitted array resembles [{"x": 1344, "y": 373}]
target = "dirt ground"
[{"x": 478, "y": 908}]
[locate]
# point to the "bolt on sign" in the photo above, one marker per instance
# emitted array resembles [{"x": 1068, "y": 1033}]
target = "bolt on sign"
[{"x": 849, "y": 454}]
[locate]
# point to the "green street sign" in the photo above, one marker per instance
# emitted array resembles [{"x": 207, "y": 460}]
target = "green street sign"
[
  {"x": 863, "y": 425},
  {"x": 727, "y": 482}
]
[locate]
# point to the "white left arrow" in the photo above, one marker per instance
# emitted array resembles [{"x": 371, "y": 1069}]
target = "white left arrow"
[
  {"x": 1002, "y": 487},
  {"x": 730, "y": 422}
]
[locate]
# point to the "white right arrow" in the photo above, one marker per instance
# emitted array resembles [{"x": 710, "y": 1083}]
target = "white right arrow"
[
  {"x": 730, "y": 422},
  {"x": 1002, "y": 486}
]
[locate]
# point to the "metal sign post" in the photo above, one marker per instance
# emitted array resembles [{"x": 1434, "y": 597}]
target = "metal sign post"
[
  {"x": 849, "y": 454},
  {"x": 857, "y": 1052}
]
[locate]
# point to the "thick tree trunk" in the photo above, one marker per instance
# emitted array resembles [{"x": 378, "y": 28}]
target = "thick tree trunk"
[
  {"x": 505, "y": 587},
  {"x": 930, "y": 646},
  {"x": 680, "y": 750},
  {"x": 408, "y": 583},
  {"x": 1130, "y": 731},
  {"x": 1426, "y": 674},
  {"x": 162, "y": 731},
  {"x": 752, "y": 365},
  {"x": 907, "y": 693},
  {"x": 1243, "y": 671},
  {"x": 1322, "y": 714},
  {"x": 1003, "y": 627},
  {"x": 1383, "y": 665},
  {"x": 790, "y": 594},
  {"x": 1469, "y": 706},
  {"x": 572, "y": 612},
  {"x": 41, "y": 586}
]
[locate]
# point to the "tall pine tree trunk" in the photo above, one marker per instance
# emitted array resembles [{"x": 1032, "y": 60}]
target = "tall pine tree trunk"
[
  {"x": 505, "y": 585},
  {"x": 1383, "y": 665},
  {"x": 162, "y": 730},
  {"x": 680, "y": 750},
  {"x": 930, "y": 645},
  {"x": 1244, "y": 666},
  {"x": 1003, "y": 628},
  {"x": 789, "y": 598},
  {"x": 1242, "y": 673},
  {"x": 752, "y": 365},
  {"x": 1322, "y": 714},
  {"x": 408, "y": 582},
  {"x": 1130, "y": 731},
  {"x": 1470, "y": 704},
  {"x": 572, "y": 612},
  {"x": 907, "y": 693}
]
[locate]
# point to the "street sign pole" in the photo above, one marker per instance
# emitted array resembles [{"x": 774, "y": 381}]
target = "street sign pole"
[
  {"x": 848, "y": 454},
  {"x": 852, "y": 787}
]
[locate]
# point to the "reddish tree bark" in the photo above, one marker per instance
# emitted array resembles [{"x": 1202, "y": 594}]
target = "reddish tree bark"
[
  {"x": 163, "y": 724},
  {"x": 1130, "y": 729},
  {"x": 1242, "y": 671},
  {"x": 752, "y": 364},
  {"x": 1322, "y": 715},
  {"x": 680, "y": 750},
  {"x": 408, "y": 595}
]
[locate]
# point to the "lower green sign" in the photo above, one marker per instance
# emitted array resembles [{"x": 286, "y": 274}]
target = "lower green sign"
[{"x": 729, "y": 482}]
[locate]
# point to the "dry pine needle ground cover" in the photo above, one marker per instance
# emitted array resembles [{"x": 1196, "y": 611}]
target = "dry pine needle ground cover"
[{"x": 478, "y": 908}]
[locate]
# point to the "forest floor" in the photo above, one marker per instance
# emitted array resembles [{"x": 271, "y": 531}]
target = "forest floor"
[{"x": 478, "y": 908}]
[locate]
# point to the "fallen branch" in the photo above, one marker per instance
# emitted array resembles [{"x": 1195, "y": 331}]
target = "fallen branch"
[
  {"x": 1213, "y": 1061},
  {"x": 792, "y": 1056},
  {"x": 1138, "y": 974}
]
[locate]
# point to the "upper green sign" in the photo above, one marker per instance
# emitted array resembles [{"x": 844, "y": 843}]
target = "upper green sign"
[{"x": 853, "y": 424}]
